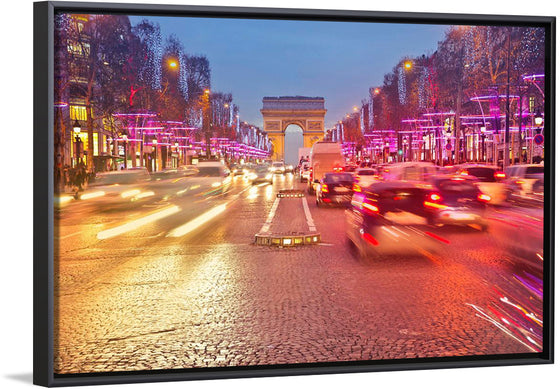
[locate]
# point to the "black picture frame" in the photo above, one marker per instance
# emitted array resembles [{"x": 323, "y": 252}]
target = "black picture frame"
[{"x": 43, "y": 234}]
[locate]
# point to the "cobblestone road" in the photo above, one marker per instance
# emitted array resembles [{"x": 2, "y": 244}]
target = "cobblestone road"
[{"x": 146, "y": 299}]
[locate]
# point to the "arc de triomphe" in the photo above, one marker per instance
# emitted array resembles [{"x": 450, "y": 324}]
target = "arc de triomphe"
[{"x": 306, "y": 112}]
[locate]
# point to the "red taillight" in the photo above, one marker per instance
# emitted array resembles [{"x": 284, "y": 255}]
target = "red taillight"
[
  {"x": 484, "y": 197},
  {"x": 499, "y": 175},
  {"x": 324, "y": 188},
  {"x": 356, "y": 188},
  {"x": 370, "y": 239},
  {"x": 370, "y": 207}
]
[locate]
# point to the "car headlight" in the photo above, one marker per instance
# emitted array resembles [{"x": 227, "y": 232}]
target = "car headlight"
[
  {"x": 216, "y": 184},
  {"x": 268, "y": 176},
  {"x": 252, "y": 176}
]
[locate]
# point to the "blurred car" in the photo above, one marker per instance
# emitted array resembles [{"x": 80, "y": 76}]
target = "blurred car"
[
  {"x": 237, "y": 170},
  {"x": 187, "y": 170},
  {"x": 525, "y": 180},
  {"x": 212, "y": 176},
  {"x": 456, "y": 200},
  {"x": 365, "y": 176},
  {"x": 289, "y": 169},
  {"x": 408, "y": 171},
  {"x": 350, "y": 168},
  {"x": 118, "y": 186},
  {"x": 304, "y": 172},
  {"x": 388, "y": 218},
  {"x": 260, "y": 173},
  {"x": 278, "y": 168},
  {"x": 491, "y": 180},
  {"x": 335, "y": 188}
]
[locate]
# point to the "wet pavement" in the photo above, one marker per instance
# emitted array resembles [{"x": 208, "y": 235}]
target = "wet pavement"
[{"x": 177, "y": 282}]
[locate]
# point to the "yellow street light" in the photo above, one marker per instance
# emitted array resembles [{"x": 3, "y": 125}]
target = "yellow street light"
[
  {"x": 408, "y": 65},
  {"x": 172, "y": 63}
]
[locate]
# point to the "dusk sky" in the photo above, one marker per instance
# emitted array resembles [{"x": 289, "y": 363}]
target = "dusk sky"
[{"x": 335, "y": 60}]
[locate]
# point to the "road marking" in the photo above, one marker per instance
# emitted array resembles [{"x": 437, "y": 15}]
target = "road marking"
[
  {"x": 268, "y": 222},
  {"x": 134, "y": 224},
  {"x": 310, "y": 222}
]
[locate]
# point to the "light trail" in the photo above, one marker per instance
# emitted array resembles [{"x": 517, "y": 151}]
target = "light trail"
[
  {"x": 132, "y": 225},
  {"x": 92, "y": 195},
  {"x": 197, "y": 222}
]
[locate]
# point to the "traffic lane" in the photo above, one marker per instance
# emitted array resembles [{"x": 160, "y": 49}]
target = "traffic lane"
[
  {"x": 459, "y": 281},
  {"x": 189, "y": 303},
  {"x": 154, "y": 291},
  {"x": 99, "y": 245},
  {"x": 87, "y": 217}
]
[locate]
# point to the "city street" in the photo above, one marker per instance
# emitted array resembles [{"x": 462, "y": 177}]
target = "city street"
[{"x": 175, "y": 280}]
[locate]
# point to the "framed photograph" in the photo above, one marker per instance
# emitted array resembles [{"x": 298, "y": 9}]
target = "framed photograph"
[{"x": 226, "y": 192}]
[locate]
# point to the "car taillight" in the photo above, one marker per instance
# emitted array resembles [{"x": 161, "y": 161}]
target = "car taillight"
[
  {"x": 434, "y": 197},
  {"x": 433, "y": 201},
  {"x": 356, "y": 188},
  {"x": 499, "y": 175},
  {"x": 361, "y": 202},
  {"x": 324, "y": 188},
  {"x": 370, "y": 207},
  {"x": 484, "y": 197}
]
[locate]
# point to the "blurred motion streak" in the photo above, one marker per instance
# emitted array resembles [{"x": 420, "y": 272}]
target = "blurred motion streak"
[
  {"x": 197, "y": 222},
  {"x": 130, "y": 226},
  {"x": 92, "y": 195}
]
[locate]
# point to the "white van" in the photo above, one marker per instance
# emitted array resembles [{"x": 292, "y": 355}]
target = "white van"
[{"x": 325, "y": 157}]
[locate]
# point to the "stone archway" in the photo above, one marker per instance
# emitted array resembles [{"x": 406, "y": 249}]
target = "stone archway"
[{"x": 306, "y": 112}]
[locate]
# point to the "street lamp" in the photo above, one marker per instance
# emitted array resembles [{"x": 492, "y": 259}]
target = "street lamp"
[
  {"x": 77, "y": 128},
  {"x": 125, "y": 139},
  {"x": 154, "y": 145},
  {"x": 407, "y": 65},
  {"x": 538, "y": 119}
]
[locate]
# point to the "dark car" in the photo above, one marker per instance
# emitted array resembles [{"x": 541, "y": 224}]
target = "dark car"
[
  {"x": 457, "y": 200},
  {"x": 390, "y": 219},
  {"x": 335, "y": 188}
]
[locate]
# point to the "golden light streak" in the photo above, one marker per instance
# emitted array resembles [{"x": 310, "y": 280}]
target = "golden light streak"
[
  {"x": 132, "y": 225},
  {"x": 130, "y": 193},
  {"x": 92, "y": 195},
  {"x": 253, "y": 193},
  {"x": 197, "y": 222},
  {"x": 62, "y": 199},
  {"x": 144, "y": 194}
]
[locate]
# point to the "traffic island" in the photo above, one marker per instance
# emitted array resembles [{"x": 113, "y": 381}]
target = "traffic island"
[
  {"x": 287, "y": 240},
  {"x": 289, "y": 223},
  {"x": 290, "y": 193}
]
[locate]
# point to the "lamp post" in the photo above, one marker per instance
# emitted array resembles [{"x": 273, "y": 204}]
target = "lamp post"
[
  {"x": 125, "y": 145},
  {"x": 154, "y": 146},
  {"x": 206, "y": 120},
  {"x": 77, "y": 128},
  {"x": 483, "y": 137}
]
